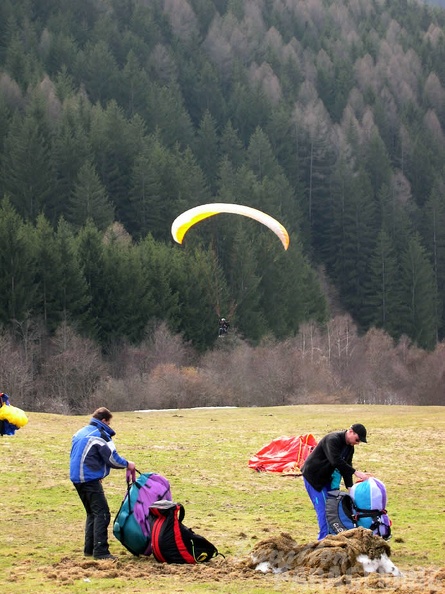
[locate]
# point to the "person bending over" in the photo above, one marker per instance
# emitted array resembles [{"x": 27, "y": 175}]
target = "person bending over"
[{"x": 330, "y": 460}]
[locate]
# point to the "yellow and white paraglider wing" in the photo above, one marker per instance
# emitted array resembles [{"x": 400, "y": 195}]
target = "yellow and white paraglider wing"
[
  {"x": 190, "y": 217},
  {"x": 12, "y": 414}
]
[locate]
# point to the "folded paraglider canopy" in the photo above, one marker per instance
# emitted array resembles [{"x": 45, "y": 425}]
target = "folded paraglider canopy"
[
  {"x": 284, "y": 454},
  {"x": 11, "y": 417}
]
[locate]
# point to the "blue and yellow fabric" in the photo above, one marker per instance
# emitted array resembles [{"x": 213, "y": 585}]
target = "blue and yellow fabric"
[{"x": 11, "y": 417}]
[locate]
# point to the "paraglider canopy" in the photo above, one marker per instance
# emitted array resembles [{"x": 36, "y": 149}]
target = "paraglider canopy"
[
  {"x": 190, "y": 217},
  {"x": 11, "y": 417}
]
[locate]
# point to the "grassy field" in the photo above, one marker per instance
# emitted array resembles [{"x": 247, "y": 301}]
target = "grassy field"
[{"x": 204, "y": 454}]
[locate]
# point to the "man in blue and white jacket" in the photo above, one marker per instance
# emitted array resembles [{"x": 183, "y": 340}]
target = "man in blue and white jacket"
[{"x": 93, "y": 454}]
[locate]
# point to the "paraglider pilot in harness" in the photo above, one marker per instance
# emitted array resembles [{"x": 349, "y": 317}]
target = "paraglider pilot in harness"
[{"x": 223, "y": 326}]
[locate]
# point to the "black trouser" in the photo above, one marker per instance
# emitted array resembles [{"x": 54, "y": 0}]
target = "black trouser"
[{"x": 98, "y": 518}]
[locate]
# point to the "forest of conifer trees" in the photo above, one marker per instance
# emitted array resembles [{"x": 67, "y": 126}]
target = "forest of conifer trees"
[{"x": 117, "y": 115}]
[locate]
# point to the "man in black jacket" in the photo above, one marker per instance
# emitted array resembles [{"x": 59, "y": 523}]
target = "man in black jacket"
[{"x": 334, "y": 452}]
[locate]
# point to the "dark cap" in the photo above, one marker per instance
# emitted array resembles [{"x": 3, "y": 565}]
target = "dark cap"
[{"x": 360, "y": 430}]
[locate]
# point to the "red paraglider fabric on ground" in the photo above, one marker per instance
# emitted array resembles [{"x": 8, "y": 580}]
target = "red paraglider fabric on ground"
[{"x": 283, "y": 454}]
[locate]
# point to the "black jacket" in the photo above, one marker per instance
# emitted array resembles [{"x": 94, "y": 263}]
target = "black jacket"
[{"x": 332, "y": 452}]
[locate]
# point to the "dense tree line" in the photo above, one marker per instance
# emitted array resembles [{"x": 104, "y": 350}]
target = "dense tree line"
[{"x": 117, "y": 115}]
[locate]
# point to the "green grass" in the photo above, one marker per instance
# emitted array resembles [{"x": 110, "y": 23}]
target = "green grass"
[{"x": 204, "y": 454}]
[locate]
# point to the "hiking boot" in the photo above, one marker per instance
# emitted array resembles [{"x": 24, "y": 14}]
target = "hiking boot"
[{"x": 108, "y": 557}]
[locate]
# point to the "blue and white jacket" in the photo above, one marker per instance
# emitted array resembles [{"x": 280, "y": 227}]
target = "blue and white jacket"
[{"x": 93, "y": 453}]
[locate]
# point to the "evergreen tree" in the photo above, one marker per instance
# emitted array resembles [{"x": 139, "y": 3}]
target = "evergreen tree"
[
  {"x": 396, "y": 216},
  {"x": 17, "y": 62},
  {"x": 189, "y": 63},
  {"x": 155, "y": 260},
  {"x": 231, "y": 146},
  {"x": 190, "y": 278},
  {"x": 90, "y": 249},
  {"x": 247, "y": 107},
  {"x": 382, "y": 302},
  {"x": 275, "y": 196},
  {"x": 260, "y": 157},
  {"x": 6, "y": 19},
  {"x": 208, "y": 89},
  {"x": 148, "y": 197},
  {"x": 164, "y": 184},
  {"x": 27, "y": 173},
  {"x": 62, "y": 53},
  {"x": 356, "y": 232},
  {"x": 49, "y": 281},
  {"x": 417, "y": 315},
  {"x": 116, "y": 142},
  {"x": 342, "y": 187},
  {"x": 97, "y": 69},
  {"x": 278, "y": 288},
  {"x": 17, "y": 266},
  {"x": 72, "y": 149},
  {"x": 205, "y": 11},
  {"x": 281, "y": 133},
  {"x": 127, "y": 305},
  {"x": 166, "y": 113},
  {"x": 343, "y": 83},
  {"x": 245, "y": 286},
  {"x": 134, "y": 85},
  {"x": 325, "y": 86},
  {"x": 72, "y": 290},
  {"x": 421, "y": 170},
  {"x": 238, "y": 186},
  {"x": 187, "y": 186},
  {"x": 290, "y": 290},
  {"x": 207, "y": 149},
  {"x": 317, "y": 159},
  {"x": 378, "y": 164},
  {"x": 434, "y": 234},
  {"x": 5, "y": 118},
  {"x": 89, "y": 200}
]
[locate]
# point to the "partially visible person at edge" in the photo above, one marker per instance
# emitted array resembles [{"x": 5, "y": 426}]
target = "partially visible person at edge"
[
  {"x": 93, "y": 454},
  {"x": 330, "y": 461}
]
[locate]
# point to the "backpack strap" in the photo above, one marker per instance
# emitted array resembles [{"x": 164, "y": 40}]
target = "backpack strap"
[
  {"x": 180, "y": 544},
  {"x": 368, "y": 513},
  {"x": 374, "y": 514},
  {"x": 156, "y": 530}
]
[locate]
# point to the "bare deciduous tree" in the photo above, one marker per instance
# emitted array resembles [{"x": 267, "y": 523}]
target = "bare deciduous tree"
[
  {"x": 182, "y": 18},
  {"x": 52, "y": 102},
  {"x": 70, "y": 373},
  {"x": 328, "y": 364},
  {"x": 10, "y": 91},
  {"x": 15, "y": 372}
]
